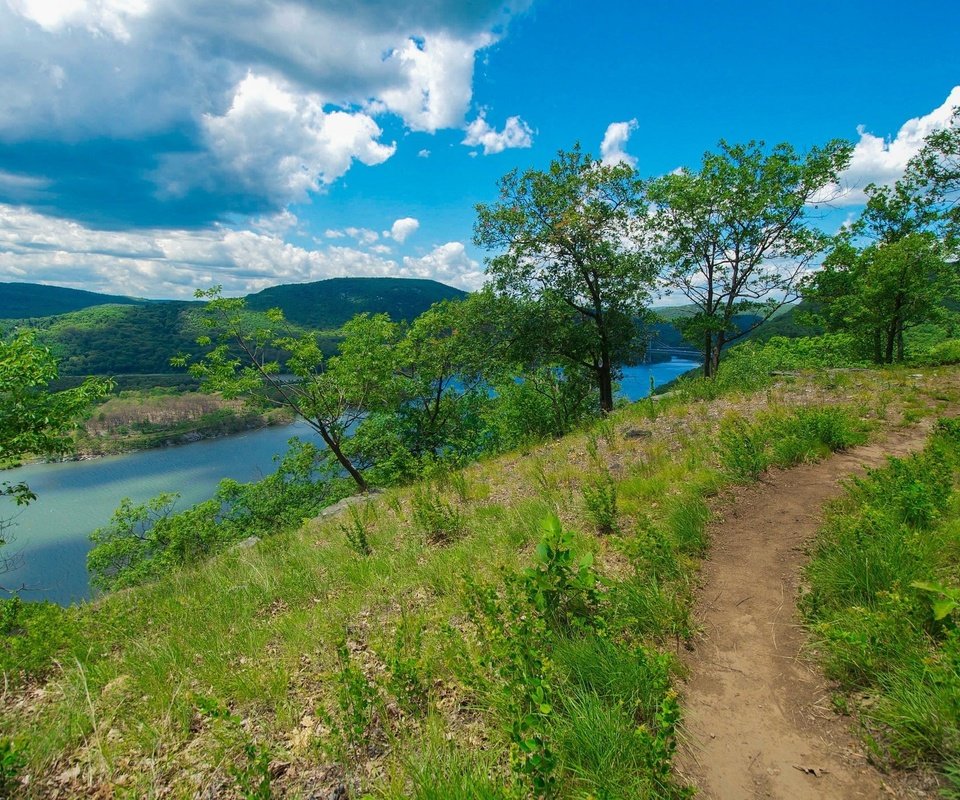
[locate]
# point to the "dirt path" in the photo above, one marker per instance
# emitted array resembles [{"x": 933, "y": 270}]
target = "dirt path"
[{"x": 758, "y": 722}]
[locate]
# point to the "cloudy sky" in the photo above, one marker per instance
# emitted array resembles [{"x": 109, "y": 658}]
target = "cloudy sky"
[{"x": 151, "y": 147}]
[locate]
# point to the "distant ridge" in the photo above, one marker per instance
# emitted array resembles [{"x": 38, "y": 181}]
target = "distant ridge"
[
  {"x": 330, "y": 303},
  {"x": 99, "y": 334},
  {"x": 26, "y": 300}
]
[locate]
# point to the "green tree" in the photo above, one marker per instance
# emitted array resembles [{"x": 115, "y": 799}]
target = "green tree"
[
  {"x": 736, "y": 236},
  {"x": 567, "y": 241},
  {"x": 881, "y": 291},
  {"x": 933, "y": 178},
  {"x": 330, "y": 394},
  {"x": 33, "y": 419}
]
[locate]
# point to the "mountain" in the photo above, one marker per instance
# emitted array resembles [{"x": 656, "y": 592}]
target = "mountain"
[
  {"x": 26, "y": 300},
  {"x": 329, "y": 304},
  {"x": 109, "y": 335}
]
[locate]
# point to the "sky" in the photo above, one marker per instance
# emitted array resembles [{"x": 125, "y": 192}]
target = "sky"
[{"x": 154, "y": 147}]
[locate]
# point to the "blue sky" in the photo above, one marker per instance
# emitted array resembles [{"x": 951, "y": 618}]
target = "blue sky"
[{"x": 152, "y": 147}]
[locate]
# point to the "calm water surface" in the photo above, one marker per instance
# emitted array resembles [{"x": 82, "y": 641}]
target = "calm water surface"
[{"x": 74, "y": 498}]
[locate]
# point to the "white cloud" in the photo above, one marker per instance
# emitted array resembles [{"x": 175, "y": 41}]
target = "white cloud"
[
  {"x": 173, "y": 263},
  {"x": 282, "y": 144},
  {"x": 362, "y": 235},
  {"x": 613, "y": 147},
  {"x": 424, "y": 153},
  {"x": 331, "y": 233},
  {"x": 270, "y": 100},
  {"x": 882, "y": 161},
  {"x": 448, "y": 263},
  {"x": 402, "y": 228},
  {"x": 515, "y": 133}
]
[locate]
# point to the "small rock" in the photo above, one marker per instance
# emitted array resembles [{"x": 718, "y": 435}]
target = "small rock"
[
  {"x": 636, "y": 433},
  {"x": 247, "y": 543}
]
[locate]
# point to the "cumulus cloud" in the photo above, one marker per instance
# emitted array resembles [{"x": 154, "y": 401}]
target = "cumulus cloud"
[
  {"x": 202, "y": 112},
  {"x": 613, "y": 148},
  {"x": 402, "y": 228},
  {"x": 173, "y": 263},
  {"x": 882, "y": 161},
  {"x": 447, "y": 263},
  {"x": 362, "y": 235},
  {"x": 515, "y": 133}
]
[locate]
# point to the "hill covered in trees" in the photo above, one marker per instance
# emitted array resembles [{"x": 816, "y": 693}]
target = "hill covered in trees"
[{"x": 98, "y": 334}]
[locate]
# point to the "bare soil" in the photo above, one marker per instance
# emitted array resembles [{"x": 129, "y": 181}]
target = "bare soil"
[{"x": 757, "y": 712}]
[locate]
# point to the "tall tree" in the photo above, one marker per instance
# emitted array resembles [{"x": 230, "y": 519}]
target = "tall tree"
[
  {"x": 330, "y": 395},
  {"x": 566, "y": 238},
  {"x": 33, "y": 419},
  {"x": 735, "y": 236}
]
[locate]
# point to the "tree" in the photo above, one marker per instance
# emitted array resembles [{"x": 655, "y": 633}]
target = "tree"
[
  {"x": 567, "y": 241},
  {"x": 881, "y": 291},
  {"x": 330, "y": 395},
  {"x": 735, "y": 237},
  {"x": 933, "y": 176},
  {"x": 33, "y": 419}
]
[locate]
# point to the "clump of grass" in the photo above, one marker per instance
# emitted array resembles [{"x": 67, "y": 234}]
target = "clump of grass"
[
  {"x": 355, "y": 530},
  {"x": 441, "y": 522},
  {"x": 600, "y": 503}
]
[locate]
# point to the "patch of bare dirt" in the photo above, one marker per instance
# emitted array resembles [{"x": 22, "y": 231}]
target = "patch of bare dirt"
[{"x": 758, "y": 719}]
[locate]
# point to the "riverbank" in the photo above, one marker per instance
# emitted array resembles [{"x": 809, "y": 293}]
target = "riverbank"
[{"x": 133, "y": 421}]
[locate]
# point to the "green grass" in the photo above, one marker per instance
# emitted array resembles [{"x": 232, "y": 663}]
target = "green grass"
[
  {"x": 188, "y": 681},
  {"x": 875, "y": 627}
]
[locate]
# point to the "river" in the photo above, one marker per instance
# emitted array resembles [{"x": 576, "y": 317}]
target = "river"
[{"x": 75, "y": 497}]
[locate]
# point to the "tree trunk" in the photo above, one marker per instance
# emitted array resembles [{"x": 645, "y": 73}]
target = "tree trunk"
[
  {"x": 605, "y": 384},
  {"x": 345, "y": 462},
  {"x": 888, "y": 349},
  {"x": 900, "y": 345},
  {"x": 707, "y": 355}
]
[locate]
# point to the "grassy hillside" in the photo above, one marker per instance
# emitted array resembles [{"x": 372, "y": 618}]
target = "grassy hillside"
[
  {"x": 327, "y": 305},
  {"x": 445, "y": 640},
  {"x": 25, "y": 300}
]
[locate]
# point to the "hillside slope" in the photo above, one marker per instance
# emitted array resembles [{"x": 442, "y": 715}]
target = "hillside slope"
[
  {"x": 115, "y": 336},
  {"x": 26, "y": 300},
  {"x": 425, "y": 646}
]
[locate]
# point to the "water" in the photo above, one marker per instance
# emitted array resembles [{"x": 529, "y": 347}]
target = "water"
[{"x": 74, "y": 498}]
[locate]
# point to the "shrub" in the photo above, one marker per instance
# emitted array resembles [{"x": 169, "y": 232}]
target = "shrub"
[
  {"x": 437, "y": 519},
  {"x": 600, "y": 503}
]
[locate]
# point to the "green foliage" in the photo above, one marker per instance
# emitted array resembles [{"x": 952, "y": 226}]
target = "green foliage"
[
  {"x": 11, "y": 763},
  {"x": 32, "y": 635},
  {"x": 947, "y": 352},
  {"x": 408, "y": 678},
  {"x": 19, "y": 300},
  {"x": 600, "y": 502},
  {"x": 561, "y": 586},
  {"x": 565, "y": 238},
  {"x": 883, "y": 606},
  {"x": 144, "y": 541},
  {"x": 746, "y": 449},
  {"x": 252, "y": 778},
  {"x": 357, "y": 701},
  {"x": 724, "y": 232},
  {"x": 355, "y": 530},
  {"x": 440, "y": 521},
  {"x": 881, "y": 291}
]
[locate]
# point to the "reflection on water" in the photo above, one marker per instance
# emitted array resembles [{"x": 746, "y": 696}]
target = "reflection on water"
[{"x": 74, "y": 498}]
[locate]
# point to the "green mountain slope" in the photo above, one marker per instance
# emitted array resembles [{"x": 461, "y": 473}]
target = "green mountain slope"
[
  {"x": 329, "y": 304},
  {"x": 25, "y": 300},
  {"x": 141, "y": 336}
]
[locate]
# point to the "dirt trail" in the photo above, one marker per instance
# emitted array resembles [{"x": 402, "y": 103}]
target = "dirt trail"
[{"x": 758, "y": 722}]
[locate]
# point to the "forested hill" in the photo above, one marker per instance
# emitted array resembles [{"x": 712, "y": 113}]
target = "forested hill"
[
  {"x": 329, "y": 304},
  {"x": 25, "y": 300},
  {"x": 108, "y": 335}
]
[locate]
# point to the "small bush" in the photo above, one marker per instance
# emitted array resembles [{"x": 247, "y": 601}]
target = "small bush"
[
  {"x": 600, "y": 503},
  {"x": 437, "y": 519},
  {"x": 742, "y": 449}
]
